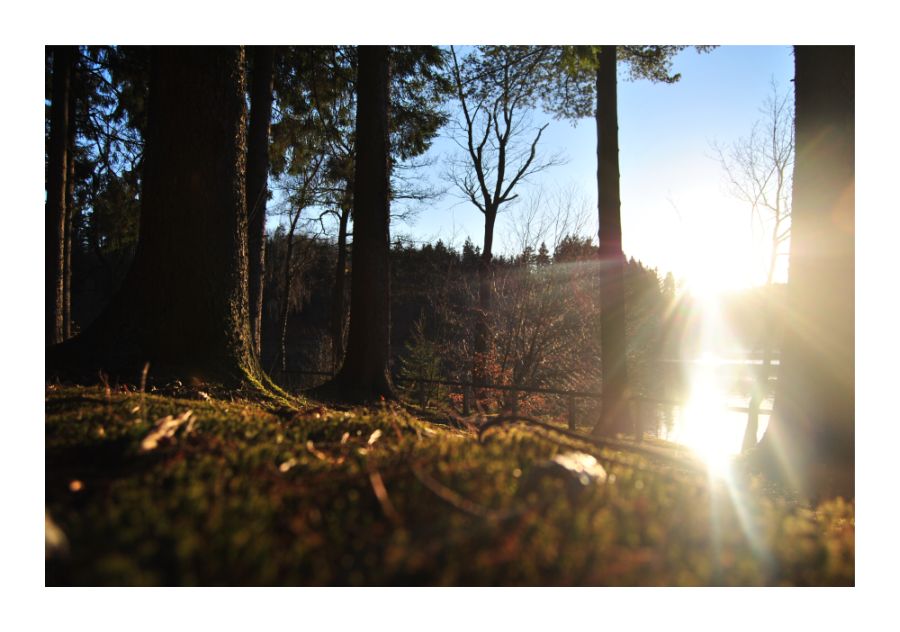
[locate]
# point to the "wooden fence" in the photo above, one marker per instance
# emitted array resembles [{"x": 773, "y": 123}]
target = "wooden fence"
[{"x": 753, "y": 410}]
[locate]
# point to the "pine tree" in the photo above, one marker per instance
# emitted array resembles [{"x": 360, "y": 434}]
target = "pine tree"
[{"x": 184, "y": 304}]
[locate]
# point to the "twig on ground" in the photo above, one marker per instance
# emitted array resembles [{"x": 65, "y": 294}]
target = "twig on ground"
[{"x": 384, "y": 499}]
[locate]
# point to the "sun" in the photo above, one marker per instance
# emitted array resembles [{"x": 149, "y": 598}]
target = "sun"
[{"x": 704, "y": 429}]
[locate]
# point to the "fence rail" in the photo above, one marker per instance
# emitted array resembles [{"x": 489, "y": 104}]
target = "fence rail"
[{"x": 753, "y": 410}]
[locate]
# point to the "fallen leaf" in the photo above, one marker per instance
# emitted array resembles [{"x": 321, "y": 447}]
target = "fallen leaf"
[
  {"x": 287, "y": 465},
  {"x": 166, "y": 428},
  {"x": 55, "y": 541},
  {"x": 318, "y": 453},
  {"x": 375, "y": 436}
]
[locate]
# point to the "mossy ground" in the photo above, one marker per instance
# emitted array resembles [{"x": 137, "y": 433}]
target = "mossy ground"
[{"x": 260, "y": 496}]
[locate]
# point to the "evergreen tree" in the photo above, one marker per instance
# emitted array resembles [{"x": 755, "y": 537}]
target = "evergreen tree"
[
  {"x": 365, "y": 373},
  {"x": 184, "y": 308},
  {"x": 567, "y": 92},
  {"x": 55, "y": 210}
]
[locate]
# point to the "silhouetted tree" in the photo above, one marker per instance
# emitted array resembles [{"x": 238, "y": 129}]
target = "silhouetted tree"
[
  {"x": 184, "y": 304},
  {"x": 759, "y": 170},
  {"x": 809, "y": 443},
  {"x": 614, "y": 405},
  {"x": 257, "y": 177},
  {"x": 55, "y": 211},
  {"x": 567, "y": 91},
  {"x": 495, "y": 87},
  {"x": 365, "y": 373}
]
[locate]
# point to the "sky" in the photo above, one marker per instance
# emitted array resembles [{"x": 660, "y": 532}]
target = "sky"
[{"x": 677, "y": 212}]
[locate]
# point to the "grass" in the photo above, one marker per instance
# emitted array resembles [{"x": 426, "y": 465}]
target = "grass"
[{"x": 247, "y": 495}]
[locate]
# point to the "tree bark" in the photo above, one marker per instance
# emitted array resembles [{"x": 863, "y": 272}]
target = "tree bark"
[
  {"x": 183, "y": 306},
  {"x": 338, "y": 304},
  {"x": 257, "y": 176},
  {"x": 281, "y": 358},
  {"x": 365, "y": 374},
  {"x": 485, "y": 302},
  {"x": 68, "y": 238},
  {"x": 55, "y": 211},
  {"x": 809, "y": 443},
  {"x": 615, "y": 415}
]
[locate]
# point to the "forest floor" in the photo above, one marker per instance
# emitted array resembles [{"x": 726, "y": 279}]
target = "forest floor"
[{"x": 186, "y": 489}]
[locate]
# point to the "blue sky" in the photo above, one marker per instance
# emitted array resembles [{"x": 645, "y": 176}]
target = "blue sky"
[{"x": 677, "y": 213}]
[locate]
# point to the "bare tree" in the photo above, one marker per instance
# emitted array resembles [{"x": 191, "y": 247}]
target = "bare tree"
[
  {"x": 496, "y": 88},
  {"x": 759, "y": 169},
  {"x": 548, "y": 217},
  {"x": 302, "y": 190}
]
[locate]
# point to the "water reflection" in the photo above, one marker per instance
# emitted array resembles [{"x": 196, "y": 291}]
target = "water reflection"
[{"x": 712, "y": 387}]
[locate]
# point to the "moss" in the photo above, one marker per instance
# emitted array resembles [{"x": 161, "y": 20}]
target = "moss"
[{"x": 260, "y": 495}]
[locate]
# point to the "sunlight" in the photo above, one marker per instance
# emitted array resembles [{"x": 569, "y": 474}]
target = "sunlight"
[
  {"x": 705, "y": 425},
  {"x": 704, "y": 429}
]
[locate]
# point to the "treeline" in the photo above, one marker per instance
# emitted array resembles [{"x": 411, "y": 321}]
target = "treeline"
[{"x": 545, "y": 322}]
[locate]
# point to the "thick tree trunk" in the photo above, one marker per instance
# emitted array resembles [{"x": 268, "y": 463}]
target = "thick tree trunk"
[
  {"x": 338, "y": 304},
  {"x": 365, "y": 373},
  {"x": 809, "y": 443},
  {"x": 257, "y": 176},
  {"x": 184, "y": 305},
  {"x": 615, "y": 414},
  {"x": 55, "y": 211}
]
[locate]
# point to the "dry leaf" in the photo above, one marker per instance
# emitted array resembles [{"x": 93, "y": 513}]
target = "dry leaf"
[
  {"x": 345, "y": 438},
  {"x": 55, "y": 541},
  {"x": 375, "y": 436},
  {"x": 287, "y": 465},
  {"x": 318, "y": 453},
  {"x": 166, "y": 428}
]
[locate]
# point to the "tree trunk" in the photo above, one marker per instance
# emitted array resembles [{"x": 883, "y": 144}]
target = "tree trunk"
[
  {"x": 183, "y": 306},
  {"x": 281, "y": 358},
  {"x": 485, "y": 302},
  {"x": 365, "y": 373},
  {"x": 338, "y": 305},
  {"x": 615, "y": 416},
  {"x": 809, "y": 443},
  {"x": 760, "y": 387},
  {"x": 68, "y": 239},
  {"x": 55, "y": 211},
  {"x": 257, "y": 175}
]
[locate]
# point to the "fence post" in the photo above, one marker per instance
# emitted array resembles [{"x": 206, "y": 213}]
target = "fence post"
[
  {"x": 466, "y": 404},
  {"x": 515, "y": 403},
  {"x": 572, "y": 412},
  {"x": 752, "y": 424}
]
